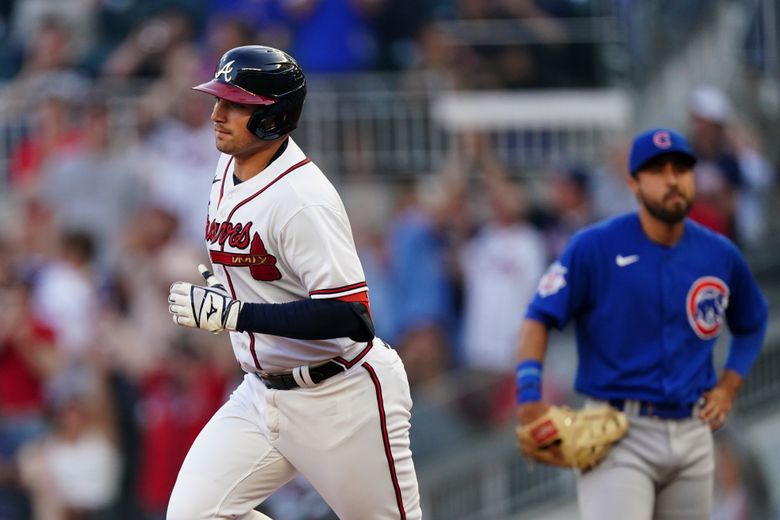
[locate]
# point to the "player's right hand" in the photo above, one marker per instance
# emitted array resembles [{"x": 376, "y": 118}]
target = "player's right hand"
[
  {"x": 529, "y": 412},
  {"x": 209, "y": 308}
]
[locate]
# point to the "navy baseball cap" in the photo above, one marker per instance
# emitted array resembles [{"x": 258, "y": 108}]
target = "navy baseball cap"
[{"x": 653, "y": 143}]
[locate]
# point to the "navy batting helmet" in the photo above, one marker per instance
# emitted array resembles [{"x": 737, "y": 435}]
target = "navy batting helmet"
[{"x": 263, "y": 76}]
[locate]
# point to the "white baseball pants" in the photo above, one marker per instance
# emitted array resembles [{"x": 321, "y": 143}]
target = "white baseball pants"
[{"x": 349, "y": 436}]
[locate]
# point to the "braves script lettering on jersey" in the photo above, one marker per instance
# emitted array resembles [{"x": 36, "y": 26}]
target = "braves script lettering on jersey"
[
  {"x": 334, "y": 409},
  {"x": 293, "y": 211}
]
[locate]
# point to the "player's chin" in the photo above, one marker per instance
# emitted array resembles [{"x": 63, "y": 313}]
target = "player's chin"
[
  {"x": 223, "y": 145},
  {"x": 675, "y": 210}
]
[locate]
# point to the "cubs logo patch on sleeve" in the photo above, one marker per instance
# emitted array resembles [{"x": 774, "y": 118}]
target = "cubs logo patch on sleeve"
[
  {"x": 706, "y": 305},
  {"x": 553, "y": 280}
]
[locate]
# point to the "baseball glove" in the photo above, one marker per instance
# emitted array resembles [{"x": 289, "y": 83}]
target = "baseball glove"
[{"x": 572, "y": 438}]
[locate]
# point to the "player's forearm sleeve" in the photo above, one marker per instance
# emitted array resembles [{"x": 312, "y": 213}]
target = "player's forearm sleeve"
[
  {"x": 747, "y": 317},
  {"x": 744, "y": 350},
  {"x": 308, "y": 319}
]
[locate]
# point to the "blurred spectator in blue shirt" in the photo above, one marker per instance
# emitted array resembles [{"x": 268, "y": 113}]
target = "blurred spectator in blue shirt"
[
  {"x": 233, "y": 23},
  {"x": 422, "y": 288},
  {"x": 333, "y": 36}
]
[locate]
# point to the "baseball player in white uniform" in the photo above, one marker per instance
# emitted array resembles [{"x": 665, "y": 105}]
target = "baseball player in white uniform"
[{"x": 321, "y": 395}]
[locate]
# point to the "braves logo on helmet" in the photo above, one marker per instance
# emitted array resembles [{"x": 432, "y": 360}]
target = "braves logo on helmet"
[
  {"x": 662, "y": 139},
  {"x": 706, "y": 305},
  {"x": 225, "y": 70}
]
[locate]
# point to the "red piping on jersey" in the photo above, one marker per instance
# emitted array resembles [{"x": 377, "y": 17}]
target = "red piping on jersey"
[
  {"x": 253, "y": 351},
  {"x": 227, "y": 274},
  {"x": 288, "y": 170},
  {"x": 350, "y": 363},
  {"x": 251, "y": 336},
  {"x": 386, "y": 439},
  {"x": 222, "y": 186},
  {"x": 339, "y": 289}
]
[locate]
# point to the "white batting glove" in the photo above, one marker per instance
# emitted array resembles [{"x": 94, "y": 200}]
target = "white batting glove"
[{"x": 210, "y": 308}]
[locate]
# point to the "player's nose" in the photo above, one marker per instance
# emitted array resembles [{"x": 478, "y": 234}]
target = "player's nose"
[
  {"x": 218, "y": 113},
  {"x": 670, "y": 173}
]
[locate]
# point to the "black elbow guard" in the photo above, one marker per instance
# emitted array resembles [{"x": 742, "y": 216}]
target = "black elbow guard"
[{"x": 366, "y": 332}]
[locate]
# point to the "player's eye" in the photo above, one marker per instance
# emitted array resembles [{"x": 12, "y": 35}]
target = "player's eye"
[
  {"x": 654, "y": 167},
  {"x": 682, "y": 166}
]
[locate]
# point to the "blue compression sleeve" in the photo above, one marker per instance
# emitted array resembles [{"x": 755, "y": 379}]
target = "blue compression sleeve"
[{"x": 308, "y": 319}]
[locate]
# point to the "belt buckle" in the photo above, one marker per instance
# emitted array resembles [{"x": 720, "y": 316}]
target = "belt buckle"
[{"x": 262, "y": 374}]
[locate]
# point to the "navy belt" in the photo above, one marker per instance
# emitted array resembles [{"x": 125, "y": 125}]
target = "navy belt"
[
  {"x": 318, "y": 373},
  {"x": 648, "y": 409}
]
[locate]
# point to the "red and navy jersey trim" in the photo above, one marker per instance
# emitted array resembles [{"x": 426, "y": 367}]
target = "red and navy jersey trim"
[
  {"x": 279, "y": 177},
  {"x": 350, "y": 363},
  {"x": 224, "y": 176},
  {"x": 252, "y": 349},
  {"x": 335, "y": 292}
]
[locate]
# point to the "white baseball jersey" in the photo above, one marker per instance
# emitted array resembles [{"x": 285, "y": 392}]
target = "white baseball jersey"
[{"x": 282, "y": 236}]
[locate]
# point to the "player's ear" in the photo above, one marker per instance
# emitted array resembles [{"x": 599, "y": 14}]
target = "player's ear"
[{"x": 633, "y": 183}]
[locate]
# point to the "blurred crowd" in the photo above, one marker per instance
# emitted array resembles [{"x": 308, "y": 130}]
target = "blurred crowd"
[
  {"x": 503, "y": 43},
  {"x": 104, "y": 201}
]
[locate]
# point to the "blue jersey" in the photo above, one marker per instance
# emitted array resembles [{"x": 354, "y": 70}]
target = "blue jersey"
[{"x": 647, "y": 315}]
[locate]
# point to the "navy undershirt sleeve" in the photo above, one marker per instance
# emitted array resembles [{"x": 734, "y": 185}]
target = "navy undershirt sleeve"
[{"x": 308, "y": 319}]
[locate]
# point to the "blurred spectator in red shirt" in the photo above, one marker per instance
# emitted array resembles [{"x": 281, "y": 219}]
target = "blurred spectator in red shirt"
[
  {"x": 27, "y": 359},
  {"x": 27, "y": 354},
  {"x": 718, "y": 174},
  {"x": 177, "y": 401},
  {"x": 51, "y": 130}
]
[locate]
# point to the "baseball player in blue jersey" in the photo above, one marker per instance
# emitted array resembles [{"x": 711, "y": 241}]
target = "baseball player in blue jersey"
[{"x": 649, "y": 293}]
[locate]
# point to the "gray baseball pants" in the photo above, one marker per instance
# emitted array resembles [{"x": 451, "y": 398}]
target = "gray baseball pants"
[{"x": 662, "y": 470}]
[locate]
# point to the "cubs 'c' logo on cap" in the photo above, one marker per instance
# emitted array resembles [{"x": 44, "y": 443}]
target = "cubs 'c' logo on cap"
[
  {"x": 706, "y": 305},
  {"x": 225, "y": 70},
  {"x": 662, "y": 139}
]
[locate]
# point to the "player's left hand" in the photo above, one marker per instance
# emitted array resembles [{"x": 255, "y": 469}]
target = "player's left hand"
[
  {"x": 210, "y": 308},
  {"x": 716, "y": 405}
]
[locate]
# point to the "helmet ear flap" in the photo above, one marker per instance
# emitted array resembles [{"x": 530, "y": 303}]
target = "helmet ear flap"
[
  {"x": 262, "y": 124},
  {"x": 273, "y": 121}
]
